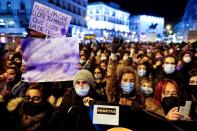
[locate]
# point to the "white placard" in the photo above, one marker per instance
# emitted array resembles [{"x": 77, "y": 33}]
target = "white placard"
[
  {"x": 107, "y": 115},
  {"x": 49, "y": 21}
]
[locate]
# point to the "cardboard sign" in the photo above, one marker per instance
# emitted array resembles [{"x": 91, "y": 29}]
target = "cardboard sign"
[
  {"x": 107, "y": 115},
  {"x": 50, "y": 60},
  {"x": 49, "y": 21}
]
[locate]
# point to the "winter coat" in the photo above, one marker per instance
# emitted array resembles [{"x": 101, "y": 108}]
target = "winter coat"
[
  {"x": 24, "y": 122},
  {"x": 73, "y": 114},
  {"x": 152, "y": 107}
]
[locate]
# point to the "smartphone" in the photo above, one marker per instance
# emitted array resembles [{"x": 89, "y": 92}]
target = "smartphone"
[{"x": 185, "y": 110}]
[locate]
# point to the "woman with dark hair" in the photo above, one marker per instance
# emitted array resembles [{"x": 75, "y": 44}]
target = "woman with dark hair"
[
  {"x": 32, "y": 112},
  {"x": 100, "y": 82},
  {"x": 14, "y": 87}
]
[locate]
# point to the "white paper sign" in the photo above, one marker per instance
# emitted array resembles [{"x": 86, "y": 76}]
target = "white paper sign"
[
  {"x": 49, "y": 60},
  {"x": 184, "y": 110},
  {"x": 107, "y": 115},
  {"x": 49, "y": 21}
]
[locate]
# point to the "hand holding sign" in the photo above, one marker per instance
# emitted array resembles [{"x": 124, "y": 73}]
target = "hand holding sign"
[{"x": 88, "y": 101}]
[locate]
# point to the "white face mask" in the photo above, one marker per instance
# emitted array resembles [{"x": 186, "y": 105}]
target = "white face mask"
[
  {"x": 187, "y": 59},
  {"x": 127, "y": 87},
  {"x": 169, "y": 68},
  {"x": 103, "y": 58},
  {"x": 125, "y": 58},
  {"x": 97, "y": 76},
  {"x": 82, "y": 91},
  {"x": 146, "y": 90},
  {"x": 141, "y": 73},
  {"x": 82, "y": 61},
  {"x": 98, "y": 53}
]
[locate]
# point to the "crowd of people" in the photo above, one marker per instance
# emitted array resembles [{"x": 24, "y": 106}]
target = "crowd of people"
[{"x": 150, "y": 82}]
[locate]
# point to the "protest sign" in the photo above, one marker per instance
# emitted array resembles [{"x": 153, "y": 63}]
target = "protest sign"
[
  {"x": 107, "y": 115},
  {"x": 49, "y": 21},
  {"x": 50, "y": 59}
]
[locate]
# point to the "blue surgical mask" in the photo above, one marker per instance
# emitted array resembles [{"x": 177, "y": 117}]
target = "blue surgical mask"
[
  {"x": 169, "y": 68},
  {"x": 97, "y": 76},
  {"x": 141, "y": 73},
  {"x": 82, "y": 91},
  {"x": 146, "y": 90},
  {"x": 127, "y": 87}
]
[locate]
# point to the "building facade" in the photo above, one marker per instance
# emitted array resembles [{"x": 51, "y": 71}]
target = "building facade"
[
  {"x": 186, "y": 30},
  {"x": 15, "y": 15},
  {"x": 146, "y": 28},
  {"x": 107, "y": 20}
]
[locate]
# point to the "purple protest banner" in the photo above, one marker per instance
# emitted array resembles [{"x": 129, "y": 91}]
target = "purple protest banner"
[
  {"x": 50, "y": 60},
  {"x": 48, "y": 21}
]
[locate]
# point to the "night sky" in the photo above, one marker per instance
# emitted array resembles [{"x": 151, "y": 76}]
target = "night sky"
[{"x": 171, "y": 10}]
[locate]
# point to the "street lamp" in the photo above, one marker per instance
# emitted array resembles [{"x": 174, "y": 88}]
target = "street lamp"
[{"x": 168, "y": 27}]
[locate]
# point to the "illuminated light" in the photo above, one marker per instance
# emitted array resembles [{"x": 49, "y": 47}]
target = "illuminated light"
[
  {"x": 145, "y": 18},
  {"x": 1, "y": 20},
  {"x": 168, "y": 27},
  {"x": 87, "y": 18},
  {"x": 24, "y": 33},
  {"x": 3, "y": 39},
  {"x": 170, "y": 32},
  {"x": 11, "y": 22}
]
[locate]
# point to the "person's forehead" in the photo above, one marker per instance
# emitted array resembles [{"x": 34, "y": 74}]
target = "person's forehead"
[
  {"x": 146, "y": 83},
  {"x": 194, "y": 78},
  {"x": 10, "y": 70},
  {"x": 186, "y": 55},
  {"x": 141, "y": 66},
  {"x": 170, "y": 59},
  {"x": 97, "y": 70},
  {"x": 128, "y": 75},
  {"x": 170, "y": 86},
  {"x": 34, "y": 92}
]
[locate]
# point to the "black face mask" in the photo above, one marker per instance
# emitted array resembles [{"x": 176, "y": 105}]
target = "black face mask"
[
  {"x": 168, "y": 103},
  {"x": 193, "y": 89},
  {"x": 32, "y": 109}
]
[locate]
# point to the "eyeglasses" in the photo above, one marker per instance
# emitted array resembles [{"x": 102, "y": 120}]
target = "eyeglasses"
[{"x": 34, "y": 98}]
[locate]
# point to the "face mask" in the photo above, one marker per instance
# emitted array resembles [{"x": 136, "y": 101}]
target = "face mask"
[
  {"x": 99, "y": 76},
  {"x": 127, "y": 87},
  {"x": 179, "y": 67},
  {"x": 159, "y": 57},
  {"x": 125, "y": 58},
  {"x": 168, "y": 103},
  {"x": 146, "y": 90},
  {"x": 169, "y": 68},
  {"x": 141, "y": 73},
  {"x": 187, "y": 59},
  {"x": 98, "y": 53},
  {"x": 193, "y": 89},
  {"x": 103, "y": 58},
  {"x": 32, "y": 109},
  {"x": 92, "y": 54},
  {"x": 82, "y": 91},
  {"x": 82, "y": 61}
]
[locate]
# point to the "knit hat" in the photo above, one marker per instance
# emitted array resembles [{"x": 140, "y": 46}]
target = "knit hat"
[{"x": 84, "y": 75}]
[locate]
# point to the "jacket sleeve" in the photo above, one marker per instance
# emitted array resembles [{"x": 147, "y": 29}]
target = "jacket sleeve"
[{"x": 111, "y": 87}]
